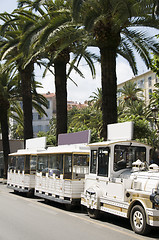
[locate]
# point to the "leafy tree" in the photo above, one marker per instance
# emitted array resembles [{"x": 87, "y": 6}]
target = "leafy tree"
[
  {"x": 131, "y": 100},
  {"x": 8, "y": 92},
  {"x": 49, "y": 31},
  {"x": 38, "y": 102},
  {"x": 11, "y": 32},
  {"x": 113, "y": 28},
  {"x": 142, "y": 130},
  {"x": 50, "y": 138},
  {"x": 88, "y": 118},
  {"x": 130, "y": 92},
  {"x": 96, "y": 98}
]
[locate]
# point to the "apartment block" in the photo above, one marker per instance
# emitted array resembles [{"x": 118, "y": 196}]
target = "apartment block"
[
  {"x": 42, "y": 123},
  {"x": 146, "y": 82}
]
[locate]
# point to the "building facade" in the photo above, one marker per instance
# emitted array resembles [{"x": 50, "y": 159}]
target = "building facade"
[
  {"x": 42, "y": 123},
  {"x": 146, "y": 82}
]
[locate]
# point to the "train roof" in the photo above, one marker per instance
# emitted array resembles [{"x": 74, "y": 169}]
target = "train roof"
[
  {"x": 112, "y": 142},
  {"x": 26, "y": 152},
  {"x": 72, "y": 148}
]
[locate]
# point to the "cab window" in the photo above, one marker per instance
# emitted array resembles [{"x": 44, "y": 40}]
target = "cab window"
[
  {"x": 93, "y": 163},
  {"x": 103, "y": 161},
  {"x": 124, "y": 156}
]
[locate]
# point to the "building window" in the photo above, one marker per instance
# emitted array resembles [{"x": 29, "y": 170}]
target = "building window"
[
  {"x": 140, "y": 83},
  {"x": 47, "y": 128},
  {"x": 119, "y": 93},
  {"x": 48, "y": 104},
  {"x": 39, "y": 117},
  {"x": 35, "y": 116},
  {"x": 150, "y": 93},
  {"x": 149, "y": 81},
  {"x": 157, "y": 80}
]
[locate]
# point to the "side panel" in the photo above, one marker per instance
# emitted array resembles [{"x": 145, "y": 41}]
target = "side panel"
[
  {"x": 20, "y": 182},
  {"x": 58, "y": 189}
]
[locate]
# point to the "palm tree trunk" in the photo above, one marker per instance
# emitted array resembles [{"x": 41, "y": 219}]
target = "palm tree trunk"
[
  {"x": 26, "y": 80},
  {"x": 109, "y": 87},
  {"x": 61, "y": 97},
  {"x": 5, "y": 139}
]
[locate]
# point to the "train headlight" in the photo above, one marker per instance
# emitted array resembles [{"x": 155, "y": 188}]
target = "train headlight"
[{"x": 156, "y": 199}]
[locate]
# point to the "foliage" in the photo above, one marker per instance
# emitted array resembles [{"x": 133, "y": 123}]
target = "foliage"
[
  {"x": 16, "y": 111},
  {"x": 8, "y": 94},
  {"x": 96, "y": 98},
  {"x": 50, "y": 138},
  {"x": 48, "y": 38},
  {"x": 88, "y": 118},
  {"x": 131, "y": 100},
  {"x": 142, "y": 130},
  {"x": 115, "y": 27},
  {"x": 132, "y": 108},
  {"x": 155, "y": 64},
  {"x": 84, "y": 119}
]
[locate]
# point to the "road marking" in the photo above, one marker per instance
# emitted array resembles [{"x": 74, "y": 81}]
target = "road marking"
[{"x": 133, "y": 235}]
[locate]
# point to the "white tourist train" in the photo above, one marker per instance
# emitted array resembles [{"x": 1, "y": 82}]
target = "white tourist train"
[
  {"x": 60, "y": 173},
  {"x": 118, "y": 178},
  {"x": 121, "y": 181},
  {"x": 54, "y": 173},
  {"x": 22, "y": 166}
]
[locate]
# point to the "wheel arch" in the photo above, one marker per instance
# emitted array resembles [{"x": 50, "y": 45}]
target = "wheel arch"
[{"x": 135, "y": 203}]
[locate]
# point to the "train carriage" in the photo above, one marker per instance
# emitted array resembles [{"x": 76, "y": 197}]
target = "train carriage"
[
  {"x": 22, "y": 166},
  {"x": 60, "y": 173}
]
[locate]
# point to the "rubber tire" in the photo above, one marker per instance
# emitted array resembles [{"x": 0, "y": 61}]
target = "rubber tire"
[
  {"x": 93, "y": 213},
  {"x": 30, "y": 194},
  {"x": 139, "y": 213},
  {"x": 68, "y": 207}
]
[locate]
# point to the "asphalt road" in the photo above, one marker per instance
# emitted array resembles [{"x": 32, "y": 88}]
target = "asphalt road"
[{"x": 24, "y": 218}]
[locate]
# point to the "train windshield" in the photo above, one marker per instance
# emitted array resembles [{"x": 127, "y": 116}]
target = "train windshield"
[{"x": 124, "y": 156}]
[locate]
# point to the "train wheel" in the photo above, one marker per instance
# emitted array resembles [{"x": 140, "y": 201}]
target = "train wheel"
[
  {"x": 30, "y": 194},
  {"x": 68, "y": 207},
  {"x": 93, "y": 213},
  {"x": 138, "y": 220}
]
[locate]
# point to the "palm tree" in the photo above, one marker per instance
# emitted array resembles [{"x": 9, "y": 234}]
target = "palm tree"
[
  {"x": 48, "y": 32},
  {"x": 113, "y": 27},
  {"x": 11, "y": 32},
  {"x": 130, "y": 94},
  {"x": 96, "y": 98},
  {"x": 16, "y": 110},
  {"x": 8, "y": 92}
]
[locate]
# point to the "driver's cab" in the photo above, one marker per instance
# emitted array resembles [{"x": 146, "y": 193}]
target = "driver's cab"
[{"x": 111, "y": 164}]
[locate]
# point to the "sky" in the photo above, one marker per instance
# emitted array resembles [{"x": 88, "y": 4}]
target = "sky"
[{"x": 85, "y": 87}]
